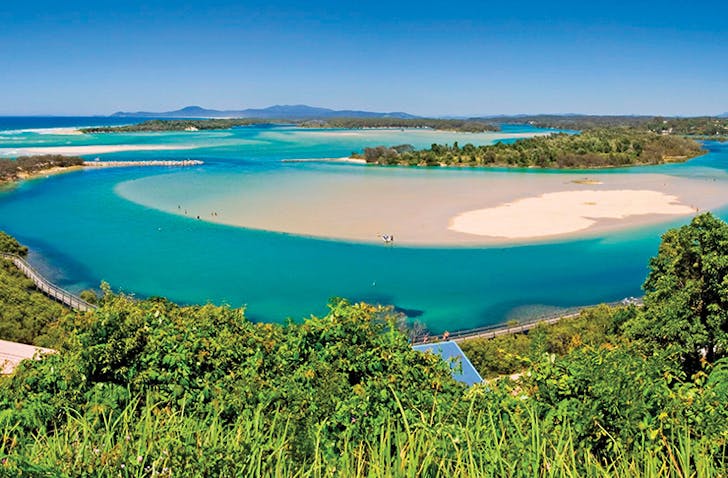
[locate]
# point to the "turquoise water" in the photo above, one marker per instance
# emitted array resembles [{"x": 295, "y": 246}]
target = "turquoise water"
[{"x": 81, "y": 232}]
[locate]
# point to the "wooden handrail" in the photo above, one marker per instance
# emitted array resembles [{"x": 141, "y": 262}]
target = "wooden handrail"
[
  {"x": 492, "y": 331},
  {"x": 47, "y": 287}
]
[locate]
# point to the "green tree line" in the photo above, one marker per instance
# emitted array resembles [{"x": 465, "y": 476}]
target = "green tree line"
[
  {"x": 177, "y": 125},
  {"x": 598, "y": 148},
  {"x": 470, "y": 126},
  {"x": 462, "y": 125},
  {"x": 12, "y": 169}
]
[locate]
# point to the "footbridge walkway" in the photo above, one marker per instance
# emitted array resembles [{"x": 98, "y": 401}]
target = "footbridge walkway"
[
  {"x": 48, "y": 288},
  {"x": 492, "y": 331}
]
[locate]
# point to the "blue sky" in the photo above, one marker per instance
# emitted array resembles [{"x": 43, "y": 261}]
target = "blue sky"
[{"x": 428, "y": 58}]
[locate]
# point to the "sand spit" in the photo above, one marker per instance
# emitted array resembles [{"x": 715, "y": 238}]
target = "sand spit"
[
  {"x": 60, "y": 131},
  {"x": 564, "y": 212},
  {"x": 326, "y": 160},
  {"x": 427, "y": 208},
  {"x": 95, "y": 149}
]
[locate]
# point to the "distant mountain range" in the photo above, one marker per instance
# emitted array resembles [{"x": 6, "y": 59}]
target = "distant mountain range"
[
  {"x": 724, "y": 115},
  {"x": 271, "y": 112}
]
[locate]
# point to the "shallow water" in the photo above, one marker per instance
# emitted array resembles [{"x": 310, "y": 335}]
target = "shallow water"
[{"x": 82, "y": 232}]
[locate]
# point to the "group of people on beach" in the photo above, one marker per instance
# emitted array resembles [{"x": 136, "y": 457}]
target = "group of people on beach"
[
  {"x": 387, "y": 238},
  {"x": 213, "y": 213}
]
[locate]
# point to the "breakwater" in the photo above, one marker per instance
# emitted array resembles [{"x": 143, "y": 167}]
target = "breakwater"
[{"x": 128, "y": 164}]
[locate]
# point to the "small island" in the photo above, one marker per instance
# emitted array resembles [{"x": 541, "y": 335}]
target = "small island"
[
  {"x": 594, "y": 148},
  {"x": 26, "y": 167}
]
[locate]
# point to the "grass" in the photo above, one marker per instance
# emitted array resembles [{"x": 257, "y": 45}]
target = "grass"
[{"x": 148, "y": 440}]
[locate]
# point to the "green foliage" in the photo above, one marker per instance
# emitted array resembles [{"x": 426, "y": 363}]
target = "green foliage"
[
  {"x": 26, "y": 315},
  {"x": 178, "y": 125},
  {"x": 89, "y": 296},
  {"x": 509, "y": 354},
  {"x": 469, "y": 126},
  {"x": 9, "y": 245},
  {"x": 12, "y": 169},
  {"x": 597, "y": 148},
  {"x": 466, "y": 126},
  {"x": 343, "y": 369},
  {"x": 149, "y": 388},
  {"x": 705, "y": 126},
  {"x": 686, "y": 295},
  {"x": 700, "y": 127}
]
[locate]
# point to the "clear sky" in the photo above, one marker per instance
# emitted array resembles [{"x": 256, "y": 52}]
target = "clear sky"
[{"x": 427, "y": 58}]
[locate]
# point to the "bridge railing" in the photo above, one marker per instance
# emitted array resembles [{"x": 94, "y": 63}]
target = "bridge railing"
[
  {"x": 48, "y": 288},
  {"x": 492, "y": 331}
]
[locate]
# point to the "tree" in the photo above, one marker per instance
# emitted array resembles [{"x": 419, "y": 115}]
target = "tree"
[
  {"x": 686, "y": 300},
  {"x": 9, "y": 245}
]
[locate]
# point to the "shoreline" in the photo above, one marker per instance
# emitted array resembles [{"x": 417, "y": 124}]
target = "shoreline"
[
  {"x": 88, "y": 165},
  {"x": 419, "y": 210},
  {"x": 90, "y": 149},
  {"x": 345, "y": 159}
]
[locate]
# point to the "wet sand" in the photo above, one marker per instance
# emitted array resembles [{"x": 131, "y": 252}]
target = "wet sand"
[
  {"x": 441, "y": 208},
  {"x": 87, "y": 150}
]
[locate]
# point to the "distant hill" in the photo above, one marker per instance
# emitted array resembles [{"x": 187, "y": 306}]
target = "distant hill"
[
  {"x": 724, "y": 115},
  {"x": 272, "y": 112}
]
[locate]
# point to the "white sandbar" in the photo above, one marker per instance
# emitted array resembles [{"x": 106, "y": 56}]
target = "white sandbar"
[
  {"x": 95, "y": 149},
  {"x": 564, "y": 212}
]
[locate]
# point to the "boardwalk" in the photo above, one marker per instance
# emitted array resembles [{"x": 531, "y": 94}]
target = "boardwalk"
[
  {"x": 492, "y": 331},
  {"x": 47, "y": 287},
  {"x": 487, "y": 332}
]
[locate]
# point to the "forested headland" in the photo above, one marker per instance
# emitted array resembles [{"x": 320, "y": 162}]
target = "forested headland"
[
  {"x": 461, "y": 125},
  {"x": 25, "y": 166},
  {"x": 150, "y": 388},
  {"x": 700, "y": 127},
  {"x": 592, "y": 148},
  {"x": 177, "y": 125},
  {"x": 471, "y": 126}
]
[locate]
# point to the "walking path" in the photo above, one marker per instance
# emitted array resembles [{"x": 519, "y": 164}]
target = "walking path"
[
  {"x": 48, "y": 288},
  {"x": 492, "y": 331}
]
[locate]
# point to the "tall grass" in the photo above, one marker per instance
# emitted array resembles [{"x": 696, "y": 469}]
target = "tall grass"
[{"x": 149, "y": 440}]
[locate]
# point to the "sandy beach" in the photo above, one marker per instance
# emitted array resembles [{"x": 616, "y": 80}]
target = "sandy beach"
[
  {"x": 565, "y": 212},
  {"x": 443, "y": 208},
  {"x": 345, "y": 159},
  {"x": 60, "y": 131},
  {"x": 88, "y": 150}
]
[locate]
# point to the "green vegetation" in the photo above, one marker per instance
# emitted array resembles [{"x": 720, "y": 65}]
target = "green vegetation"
[
  {"x": 13, "y": 169},
  {"x": 149, "y": 388},
  {"x": 26, "y": 315},
  {"x": 466, "y": 126},
  {"x": 686, "y": 301},
  {"x": 596, "y": 148},
  {"x": 470, "y": 126},
  {"x": 10, "y": 245},
  {"x": 178, "y": 125},
  {"x": 704, "y": 127},
  {"x": 707, "y": 127},
  {"x": 510, "y": 354}
]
